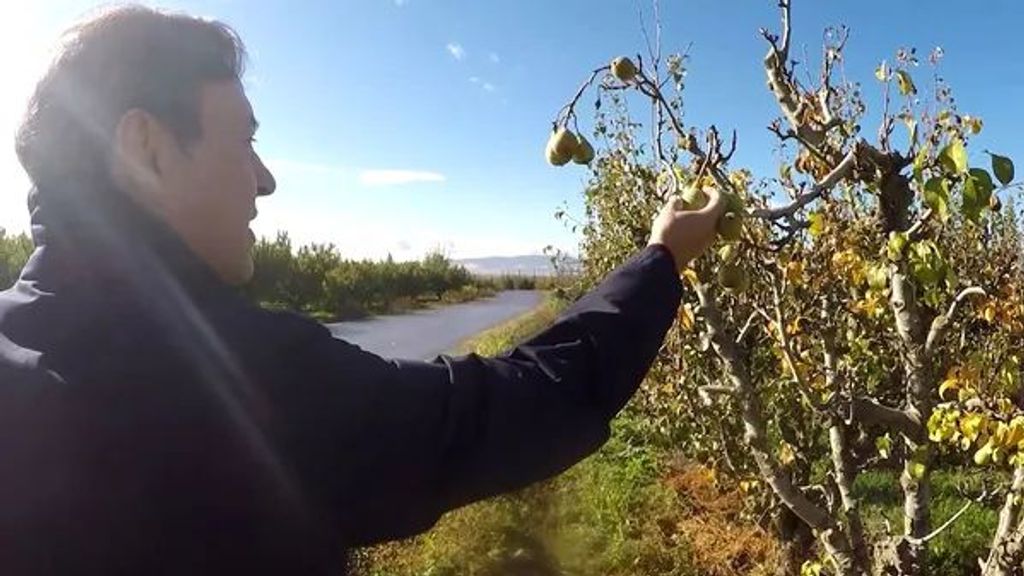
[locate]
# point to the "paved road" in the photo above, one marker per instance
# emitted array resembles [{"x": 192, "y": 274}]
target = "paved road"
[{"x": 424, "y": 334}]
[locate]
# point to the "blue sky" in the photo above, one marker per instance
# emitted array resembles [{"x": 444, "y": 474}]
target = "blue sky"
[{"x": 406, "y": 125}]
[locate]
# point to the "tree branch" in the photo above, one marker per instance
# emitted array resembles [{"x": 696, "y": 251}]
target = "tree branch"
[
  {"x": 870, "y": 411},
  {"x": 934, "y": 533},
  {"x": 841, "y": 171},
  {"x": 941, "y": 323}
]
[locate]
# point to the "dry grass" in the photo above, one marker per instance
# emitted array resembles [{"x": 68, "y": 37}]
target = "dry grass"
[{"x": 722, "y": 542}]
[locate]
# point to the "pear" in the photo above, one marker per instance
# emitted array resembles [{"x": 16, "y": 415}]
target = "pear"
[
  {"x": 584, "y": 151},
  {"x": 554, "y": 158},
  {"x": 623, "y": 69},
  {"x": 730, "y": 226},
  {"x": 561, "y": 147},
  {"x": 564, "y": 142},
  {"x": 733, "y": 203},
  {"x": 733, "y": 277},
  {"x": 694, "y": 198}
]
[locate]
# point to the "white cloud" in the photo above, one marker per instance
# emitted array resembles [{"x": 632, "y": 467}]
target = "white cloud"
[
  {"x": 456, "y": 50},
  {"x": 393, "y": 177},
  {"x": 400, "y": 2},
  {"x": 488, "y": 87},
  {"x": 474, "y": 80},
  {"x": 493, "y": 56},
  {"x": 286, "y": 165}
]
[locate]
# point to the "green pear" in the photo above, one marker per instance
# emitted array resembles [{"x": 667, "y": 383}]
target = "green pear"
[
  {"x": 562, "y": 145},
  {"x": 730, "y": 226},
  {"x": 733, "y": 277},
  {"x": 584, "y": 151},
  {"x": 623, "y": 69}
]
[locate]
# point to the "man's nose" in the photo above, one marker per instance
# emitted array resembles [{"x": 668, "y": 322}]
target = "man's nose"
[{"x": 265, "y": 182}]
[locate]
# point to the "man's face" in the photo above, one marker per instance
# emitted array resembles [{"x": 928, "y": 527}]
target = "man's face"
[{"x": 210, "y": 187}]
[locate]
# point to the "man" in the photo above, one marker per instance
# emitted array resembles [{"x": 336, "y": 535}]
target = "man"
[{"x": 153, "y": 421}]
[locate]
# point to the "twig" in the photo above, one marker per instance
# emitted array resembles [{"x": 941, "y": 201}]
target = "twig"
[
  {"x": 931, "y": 535},
  {"x": 746, "y": 326},
  {"x": 842, "y": 170},
  {"x": 915, "y": 231},
  {"x": 568, "y": 108},
  {"x": 941, "y": 323},
  {"x": 715, "y": 389}
]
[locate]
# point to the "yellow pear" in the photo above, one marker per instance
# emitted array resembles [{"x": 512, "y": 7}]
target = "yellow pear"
[
  {"x": 623, "y": 69},
  {"x": 561, "y": 146},
  {"x": 564, "y": 142},
  {"x": 730, "y": 226},
  {"x": 584, "y": 151},
  {"x": 554, "y": 158},
  {"x": 733, "y": 277}
]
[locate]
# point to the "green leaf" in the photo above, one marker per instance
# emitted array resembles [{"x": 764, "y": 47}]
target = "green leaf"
[
  {"x": 977, "y": 189},
  {"x": 936, "y": 196},
  {"x": 954, "y": 157},
  {"x": 897, "y": 243},
  {"x": 884, "y": 446},
  {"x": 1002, "y": 167},
  {"x": 984, "y": 181},
  {"x": 906, "y": 84},
  {"x": 917, "y": 470}
]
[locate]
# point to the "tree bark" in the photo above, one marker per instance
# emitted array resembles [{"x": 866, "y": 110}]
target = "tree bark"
[
  {"x": 916, "y": 476},
  {"x": 1006, "y": 557}
]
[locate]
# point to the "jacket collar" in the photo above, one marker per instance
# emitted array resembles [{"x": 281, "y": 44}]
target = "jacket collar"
[{"x": 96, "y": 236}]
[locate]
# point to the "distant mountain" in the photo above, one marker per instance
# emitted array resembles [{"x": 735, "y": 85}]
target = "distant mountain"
[{"x": 530, "y": 265}]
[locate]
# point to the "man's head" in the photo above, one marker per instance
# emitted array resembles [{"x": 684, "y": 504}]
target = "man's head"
[{"x": 152, "y": 104}]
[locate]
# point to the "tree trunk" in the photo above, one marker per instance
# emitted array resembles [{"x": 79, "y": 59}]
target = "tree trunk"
[
  {"x": 1006, "y": 558},
  {"x": 845, "y": 474},
  {"x": 916, "y": 477},
  {"x": 756, "y": 435}
]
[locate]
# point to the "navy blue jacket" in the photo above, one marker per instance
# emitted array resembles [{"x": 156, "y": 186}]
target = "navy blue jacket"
[{"x": 153, "y": 421}]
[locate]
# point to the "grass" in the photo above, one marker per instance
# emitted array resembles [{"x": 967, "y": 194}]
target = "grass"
[
  {"x": 954, "y": 551},
  {"x": 501, "y": 337}
]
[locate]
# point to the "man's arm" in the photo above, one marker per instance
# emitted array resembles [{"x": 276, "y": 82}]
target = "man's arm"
[{"x": 389, "y": 446}]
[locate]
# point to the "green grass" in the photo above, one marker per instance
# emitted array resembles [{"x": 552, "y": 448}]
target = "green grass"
[
  {"x": 954, "y": 551},
  {"x": 503, "y": 336}
]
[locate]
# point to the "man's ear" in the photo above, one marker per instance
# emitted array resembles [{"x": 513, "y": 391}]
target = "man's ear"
[{"x": 135, "y": 159}]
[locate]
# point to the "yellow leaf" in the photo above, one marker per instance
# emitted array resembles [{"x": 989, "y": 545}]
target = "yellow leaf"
[
  {"x": 686, "y": 317},
  {"x": 786, "y": 454},
  {"x": 691, "y": 276},
  {"x": 882, "y": 72},
  {"x": 989, "y": 312},
  {"x": 906, "y": 84},
  {"x": 947, "y": 385}
]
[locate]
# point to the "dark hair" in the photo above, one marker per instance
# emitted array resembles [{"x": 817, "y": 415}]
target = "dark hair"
[{"x": 120, "y": 59}]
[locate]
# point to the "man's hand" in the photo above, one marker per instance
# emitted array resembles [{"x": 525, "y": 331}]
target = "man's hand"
[{"x": 687, "y": 233}]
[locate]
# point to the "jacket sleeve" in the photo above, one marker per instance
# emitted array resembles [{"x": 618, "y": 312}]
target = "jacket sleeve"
[{"x": 392, "y": 445}]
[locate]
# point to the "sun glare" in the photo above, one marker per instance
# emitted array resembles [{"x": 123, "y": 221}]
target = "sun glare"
[{"x": 23, "y": 55}]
